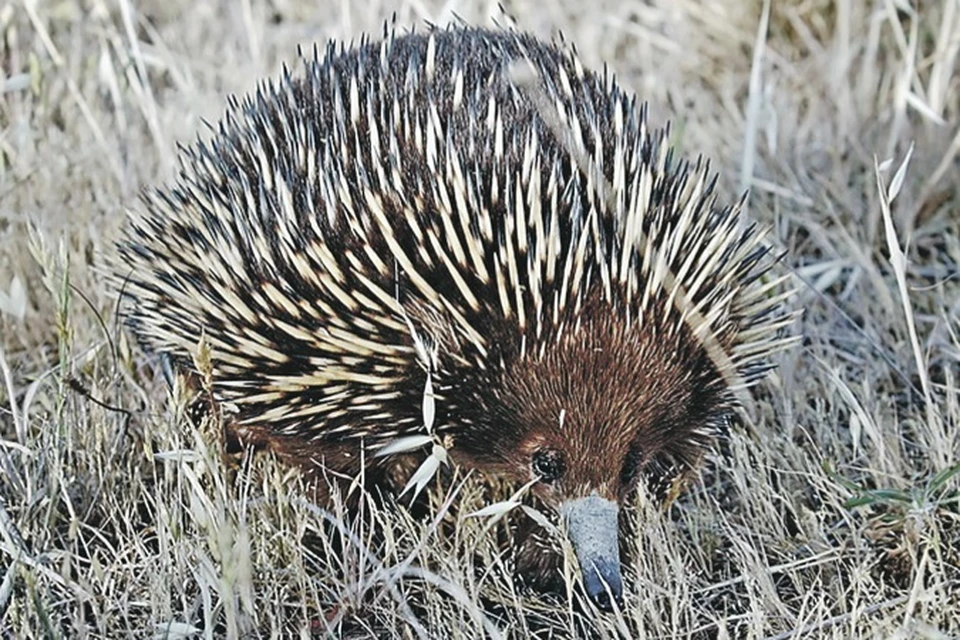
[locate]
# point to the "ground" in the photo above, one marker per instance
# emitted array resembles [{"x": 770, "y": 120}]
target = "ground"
[{"x": 831, "y": 512}]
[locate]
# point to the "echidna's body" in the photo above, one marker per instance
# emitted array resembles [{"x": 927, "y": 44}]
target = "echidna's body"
[{"x": 412, "y": 208}]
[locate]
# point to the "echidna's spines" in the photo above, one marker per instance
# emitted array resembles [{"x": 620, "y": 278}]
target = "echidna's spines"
[
  {"x": 700, "y": 325},
  {"x": 322, "y": 213}
]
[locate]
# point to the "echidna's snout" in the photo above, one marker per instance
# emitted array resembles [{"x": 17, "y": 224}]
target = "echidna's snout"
[{"x": 592, "y": 525}]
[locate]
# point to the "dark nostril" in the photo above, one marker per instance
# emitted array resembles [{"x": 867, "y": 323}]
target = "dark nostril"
[
  {"x": 600, "y": 593},
  {"x": 602, "y": 600}
]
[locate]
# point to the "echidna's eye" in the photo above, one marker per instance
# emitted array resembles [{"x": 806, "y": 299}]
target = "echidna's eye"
[
  {"x": 631, "y": 467},
  {"x": 548, "y": 464}
]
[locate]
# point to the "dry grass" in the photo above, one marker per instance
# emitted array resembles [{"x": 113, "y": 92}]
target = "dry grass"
[{"x": 834, "y": 513}]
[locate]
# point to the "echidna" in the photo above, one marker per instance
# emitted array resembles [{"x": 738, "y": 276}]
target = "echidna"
[{"x": 475, "y": 208}]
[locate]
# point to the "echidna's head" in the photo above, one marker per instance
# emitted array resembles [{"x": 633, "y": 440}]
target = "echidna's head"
[{"x": 592, "y": 414}]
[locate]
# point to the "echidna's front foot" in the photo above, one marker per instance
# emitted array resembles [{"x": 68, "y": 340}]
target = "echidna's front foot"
[{"x": 537, "y": 558}]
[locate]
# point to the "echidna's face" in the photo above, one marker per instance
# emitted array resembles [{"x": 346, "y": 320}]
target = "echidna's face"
[{"x": 596, "y": 413}]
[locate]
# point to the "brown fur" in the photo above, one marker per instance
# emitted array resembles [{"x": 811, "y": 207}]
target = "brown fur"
[{"x": 605, "y": 396}]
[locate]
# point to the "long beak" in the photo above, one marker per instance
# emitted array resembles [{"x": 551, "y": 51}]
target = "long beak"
[{"x": 593, "y": 528}]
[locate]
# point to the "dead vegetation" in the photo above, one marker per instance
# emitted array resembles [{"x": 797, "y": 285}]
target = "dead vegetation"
[{"x": 834, "y": 511}]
